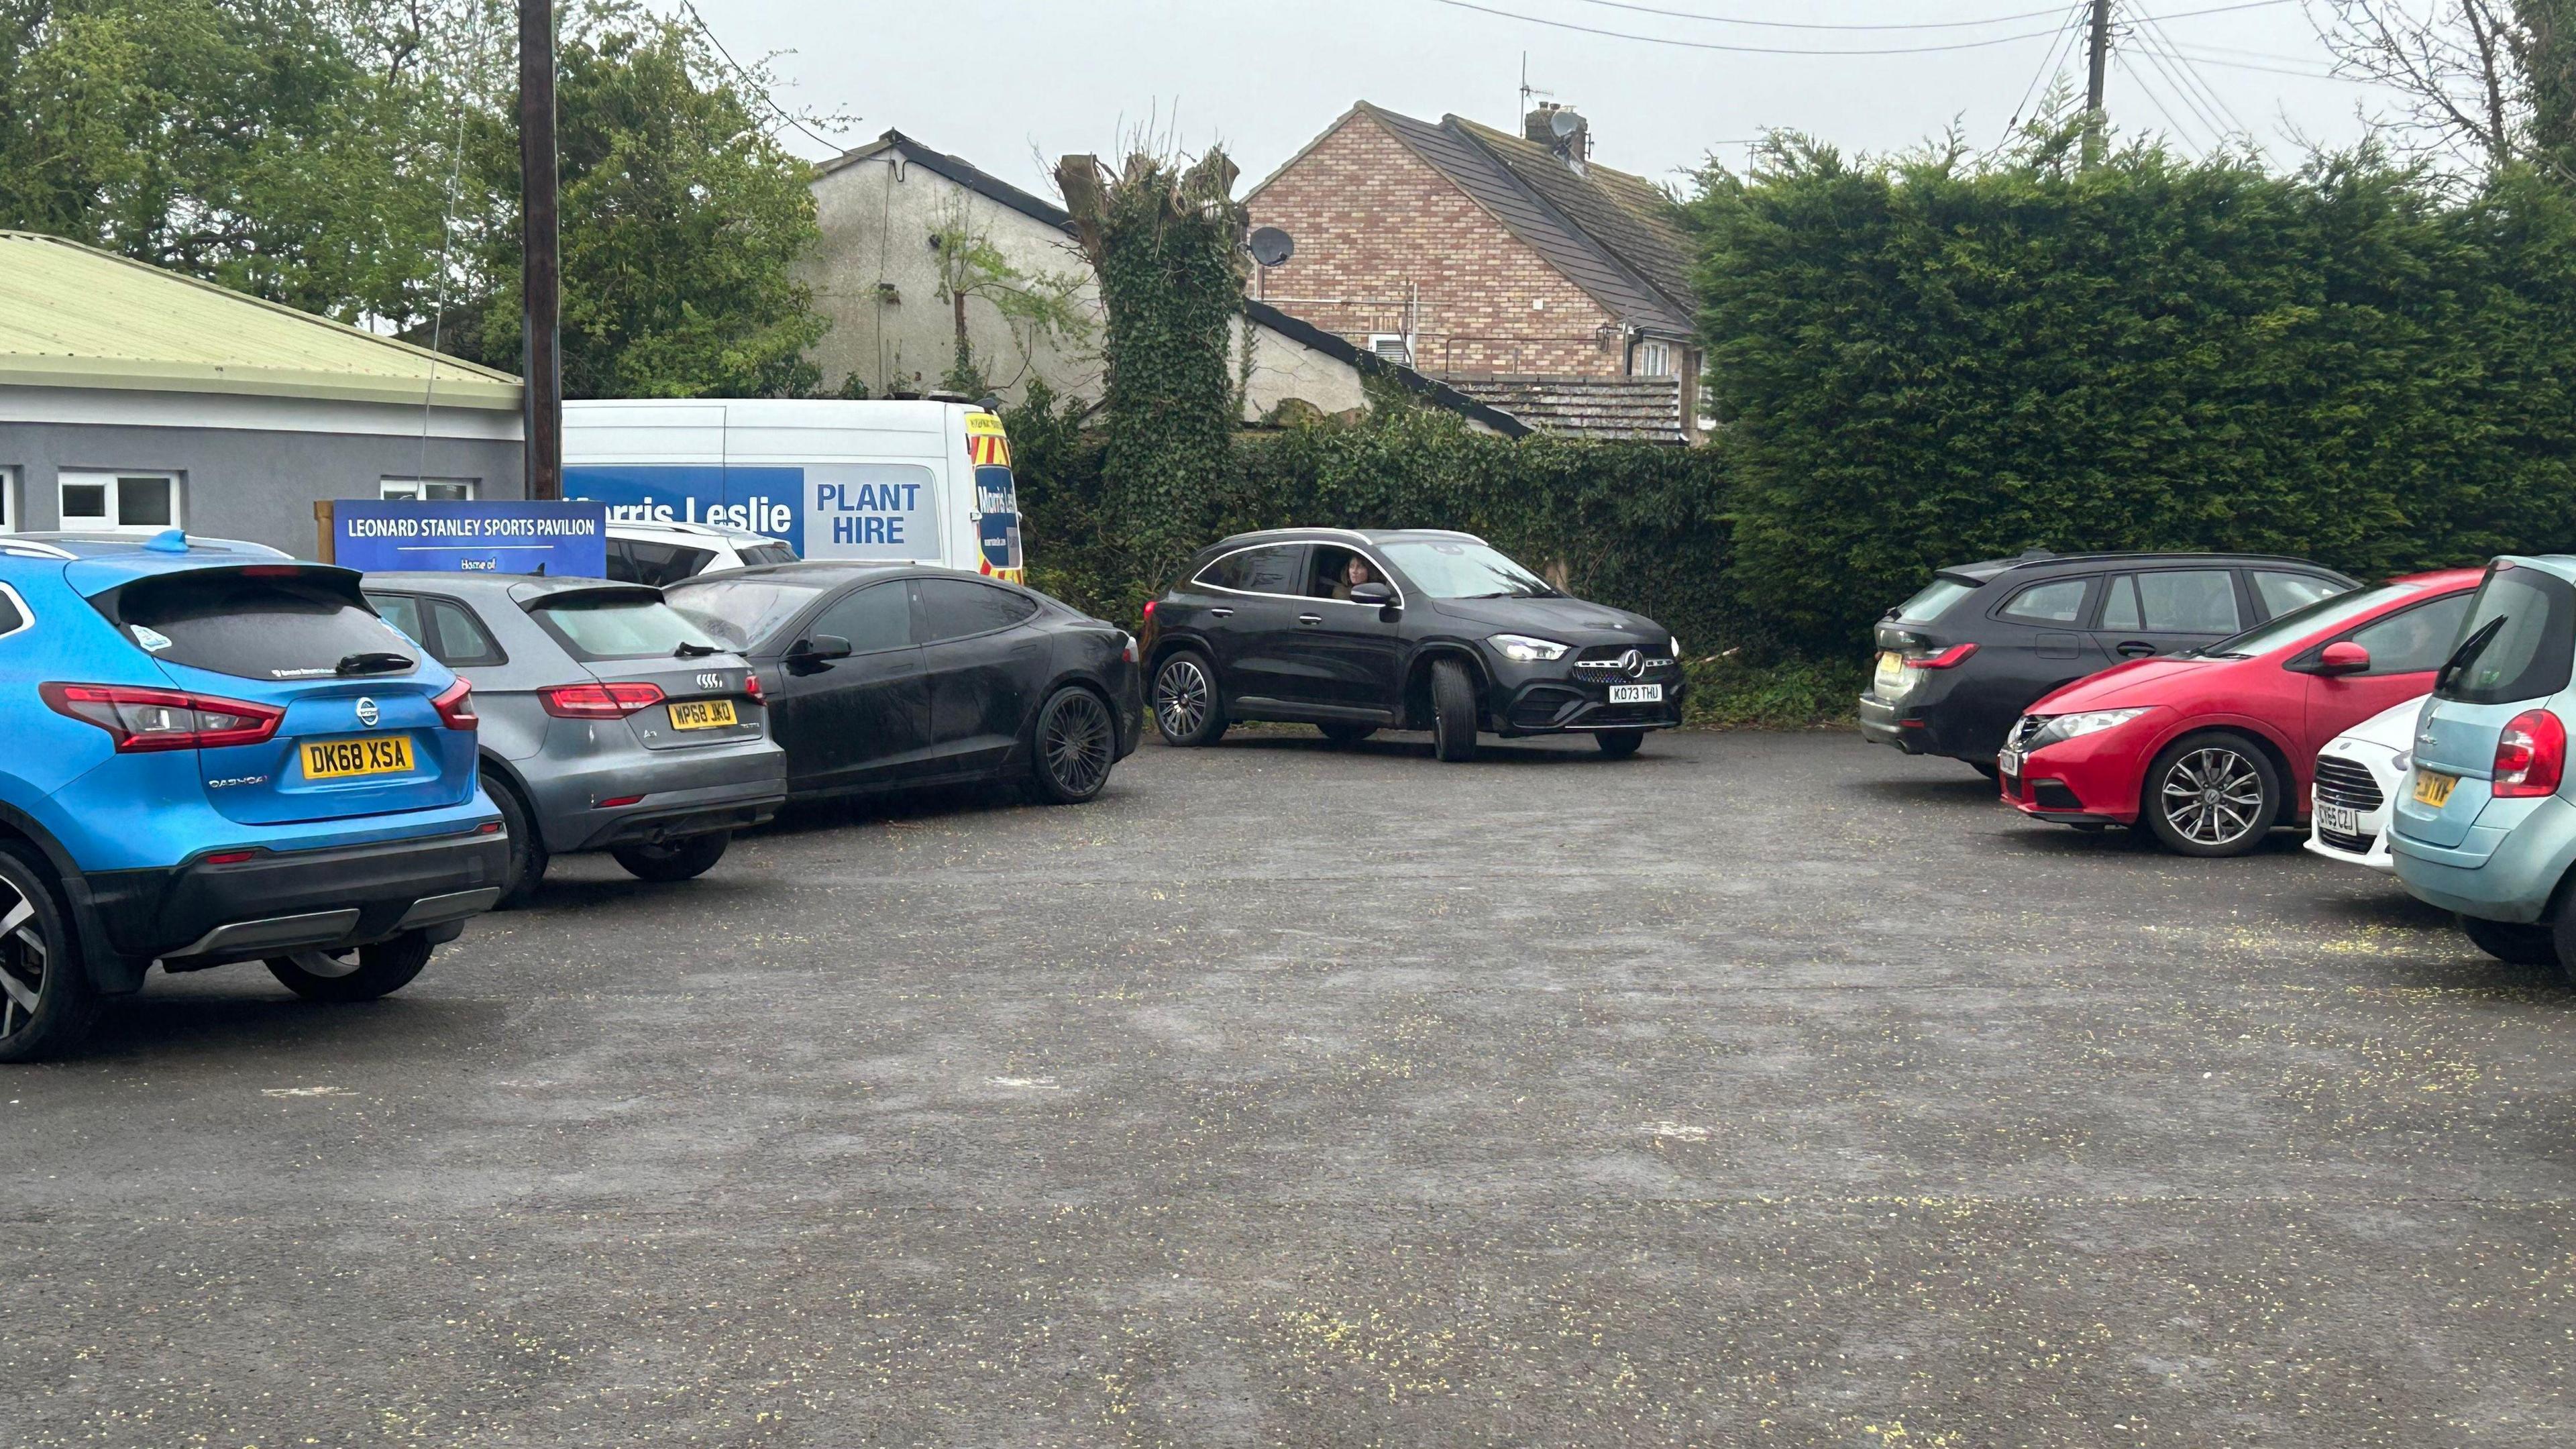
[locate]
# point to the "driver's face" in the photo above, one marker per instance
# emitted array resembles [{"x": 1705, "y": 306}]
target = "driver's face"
[{"x": 1356, "y": 572}]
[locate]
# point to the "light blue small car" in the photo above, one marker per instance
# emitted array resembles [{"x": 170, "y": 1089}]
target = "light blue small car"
[{"x": 2484, "y": 824}]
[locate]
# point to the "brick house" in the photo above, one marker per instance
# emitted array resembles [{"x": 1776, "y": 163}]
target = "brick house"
[{"x": 1512, "y": 267}]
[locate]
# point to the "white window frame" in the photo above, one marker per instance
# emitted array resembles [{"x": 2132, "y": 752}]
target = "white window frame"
[
  {"x": 113, "y": 480},
  {"x": 12, "y": 507},
  {"x": 1655, "y": 359},
  {"x": 1395, "y": 347},
  {"x": 407, "y": 490}
]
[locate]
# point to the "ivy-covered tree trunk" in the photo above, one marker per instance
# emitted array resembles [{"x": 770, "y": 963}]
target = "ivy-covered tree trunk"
[{"x": 1168, "y": 245}]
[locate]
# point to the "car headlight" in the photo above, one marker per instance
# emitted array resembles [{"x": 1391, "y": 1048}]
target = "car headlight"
[
  {"x": 2070, "y": 726},
  {"x": 1677, "y": 648},
  {"x": 1522, "y": 649}
]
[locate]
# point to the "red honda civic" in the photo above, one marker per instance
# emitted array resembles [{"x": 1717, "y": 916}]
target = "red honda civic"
[{"x": 2213, "y": 747}]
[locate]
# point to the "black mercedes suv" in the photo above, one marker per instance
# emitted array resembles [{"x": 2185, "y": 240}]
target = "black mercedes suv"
[
  {"x": 1354, "y": 631},
  {"x": 1960, "y": 661}
]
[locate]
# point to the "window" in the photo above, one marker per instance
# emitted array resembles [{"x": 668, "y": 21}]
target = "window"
[
  {"x": 2529, "y": 619},
  {"x": 8, "y": 500},
  {"x": 448, "y": 630},
  {"x": 743, "y": 613},
  {"x": 2282, "y": 593},
  {"x": 955, "y": 608},
  {"x": 2174, "y": 601},
  {"x": 1654, "y": 359},
  {"x": 285, "y": 625},
  {"x": 1395, "y": 347},
  {"x": 2061, "y": 602},
  {"x": 1935, "y": 600},
  {"x": 434, "y": 490},
  {"x": 13, "y": 612},
  {"x": 1270, "y": 570},
  {"x": 403, "y": 612},
  {"x": 618, "y": 624},
  {"x": 2415, "y": 640},
  {"x": 1329, "y": 576},
  {"x": 637, "y": 561},
  {"x": 753, "y": 555},
  {"x": 120, "y": 502},
  {"x": 1465, "y": 570},
  {"x": 876, "y": 618}
]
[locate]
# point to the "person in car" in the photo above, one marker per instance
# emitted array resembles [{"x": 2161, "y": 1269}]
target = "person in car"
[{"x": 1355, "y": 572}]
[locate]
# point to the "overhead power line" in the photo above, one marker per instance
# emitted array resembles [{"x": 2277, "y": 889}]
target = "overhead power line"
[
  {"x": 752, "y": 83},
  {"x": 1677, "y": 42}
]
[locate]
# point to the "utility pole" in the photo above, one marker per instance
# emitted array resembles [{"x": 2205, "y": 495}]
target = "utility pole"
[
  {"x": 2095, "y": 123},
  {"x": 540, "y": 281}
]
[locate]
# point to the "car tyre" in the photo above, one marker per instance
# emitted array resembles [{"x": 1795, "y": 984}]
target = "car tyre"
[
  {"x": 2511, "y": 942},
  {"x": 528, "y": 858},
  {"x": 1346, "y": 735},
  {"x": 1188, "y": 709},
  {"x": 1073, "y": 748},
  {"x": 1453, "y": 711},
  {"x": 671, "y": 861},
  {"x": 359, "y": 975},
  {"x": 47, "y": 1000},
  {"x": 2212, "y": 794},
  {"x": 1621, "y": 744},
  {"x": 1993, "y": 773}
]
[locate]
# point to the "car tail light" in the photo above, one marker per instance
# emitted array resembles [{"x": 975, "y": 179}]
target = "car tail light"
[
  {"x": 1951, "y": 657},
  {"x": 1127, "y": 647},
  {"x": 2531, "y": 756},
  {"x": 751, "y": 684},
  {"x": 455, "y": 706},
  {"x": 600, "y": 701},
  {"x": 1149, "y": 608},
  {"x": 144, "y": 720}
]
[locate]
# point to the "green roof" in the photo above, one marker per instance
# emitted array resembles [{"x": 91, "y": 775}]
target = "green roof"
[{"x": 75, "y": 316}]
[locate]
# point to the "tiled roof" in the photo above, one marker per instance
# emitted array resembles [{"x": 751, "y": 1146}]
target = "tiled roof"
[
  {"x": 1627, "y": 215},
  {"x": 1647, "y": 409},
  {"x": 1532, "y": 216}
]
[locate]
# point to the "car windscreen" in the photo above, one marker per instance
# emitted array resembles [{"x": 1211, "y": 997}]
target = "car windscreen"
[
  {"x": 1934, "y": 601},
  {"x": 597, "y": 626},
  {"x": 2528, "y": 620},
  {"x": 756, "y": 554},
  {"x": 1445, "y": 569},
  {"x": 741, "y": 613},
  {"x": 2323, "y": 616},
  {"x": 262, "y": 622}
]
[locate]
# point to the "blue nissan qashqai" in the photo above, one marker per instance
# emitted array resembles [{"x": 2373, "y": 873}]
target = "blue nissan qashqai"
[{"x": 214, "y": 754}]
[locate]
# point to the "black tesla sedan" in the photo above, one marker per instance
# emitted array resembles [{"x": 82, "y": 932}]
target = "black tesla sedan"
[
  {"x": 1961, "y": 660},
  {"x": 1354, "y": 631},
  {"x": 890, "y": 676}
]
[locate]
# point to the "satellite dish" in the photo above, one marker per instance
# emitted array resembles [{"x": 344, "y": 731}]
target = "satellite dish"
[
  {"x": 1271, "y": 246},
  {"x": 1563, "y": 122}
]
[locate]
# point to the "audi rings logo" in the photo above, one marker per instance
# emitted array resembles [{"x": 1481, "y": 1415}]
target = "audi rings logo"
[
  {"x": 368, "y": 714},
  {"x": 710, "y": 681}
]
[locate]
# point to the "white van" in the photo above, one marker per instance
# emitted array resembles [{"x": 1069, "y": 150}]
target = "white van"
[{"x": 911, "y": 482}]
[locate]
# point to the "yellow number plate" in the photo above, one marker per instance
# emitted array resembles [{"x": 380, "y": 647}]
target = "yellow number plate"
[
  {"x": 1891, "y": 673},
  {"x": 2432, "y": 787},
  {"x": 365, "y": 755},
  {"x": 702, "y": 714}
]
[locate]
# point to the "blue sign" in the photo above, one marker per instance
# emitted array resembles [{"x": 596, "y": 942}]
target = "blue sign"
[
  {"x": 755, "y": 500},
  {"x": 561, "y": 540}
]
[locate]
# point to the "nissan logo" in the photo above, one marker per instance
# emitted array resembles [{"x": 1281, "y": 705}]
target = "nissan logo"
[
  {"x": 368, "y": 714},
  {"x": 711, "y": 681}
]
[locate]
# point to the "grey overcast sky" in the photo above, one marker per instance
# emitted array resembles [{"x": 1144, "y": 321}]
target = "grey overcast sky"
[{"x": 1007, "y": 82}]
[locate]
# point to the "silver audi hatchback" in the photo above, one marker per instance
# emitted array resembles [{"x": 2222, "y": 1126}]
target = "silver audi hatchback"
[{"x": 610, "y": 722}]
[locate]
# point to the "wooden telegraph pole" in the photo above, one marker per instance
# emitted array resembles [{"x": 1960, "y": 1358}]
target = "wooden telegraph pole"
[
  {"x": 540, "y": 281},
  {"x": 2096, "y": 125}
]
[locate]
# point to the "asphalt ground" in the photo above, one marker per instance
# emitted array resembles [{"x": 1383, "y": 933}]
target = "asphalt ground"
[{"x": 1764, "y": 1090}]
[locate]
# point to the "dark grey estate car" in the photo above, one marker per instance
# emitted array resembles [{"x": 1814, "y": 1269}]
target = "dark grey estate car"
[{"x": 610, "y": 722}]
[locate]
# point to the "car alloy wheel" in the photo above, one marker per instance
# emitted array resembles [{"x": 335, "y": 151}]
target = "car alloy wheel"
[
  {"x": 2212, "y": 796},
  {"x": 25, "y": 957},
  {"x": 1076, "y": 745},
  {"x": 46, "y": 998},
  {"x": 1182, "y": 698}
]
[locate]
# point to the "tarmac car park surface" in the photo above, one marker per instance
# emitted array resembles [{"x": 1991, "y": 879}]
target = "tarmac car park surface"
[{"x": 1762, "y": 1089}]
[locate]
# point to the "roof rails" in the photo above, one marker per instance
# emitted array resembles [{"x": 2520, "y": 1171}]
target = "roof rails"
[{"x": 31, "y": 548}]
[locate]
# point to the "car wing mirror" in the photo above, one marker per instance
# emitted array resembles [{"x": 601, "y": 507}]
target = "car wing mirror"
[
  {"x": 2343, "y": 657},
  {"x": 1382, "y": 595},
  {"x": 820, "y": 649}
]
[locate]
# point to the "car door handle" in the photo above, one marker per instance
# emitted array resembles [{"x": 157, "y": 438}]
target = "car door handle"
[
  {"x": 1220, "y": 613},
  {"x": 1310, "y": 620},
  {"x": 2134, "y": 649}
]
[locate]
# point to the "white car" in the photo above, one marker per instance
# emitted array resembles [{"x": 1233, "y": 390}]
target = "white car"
[
  {"x": 665, "y": 553},
  {"x": 2358, "y": 775}
]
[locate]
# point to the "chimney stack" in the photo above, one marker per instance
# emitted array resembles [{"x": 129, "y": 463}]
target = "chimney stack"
[{"x": 1561, "y": 130}]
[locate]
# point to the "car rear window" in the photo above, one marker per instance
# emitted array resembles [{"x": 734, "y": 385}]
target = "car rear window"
[
  {"x": 2533, "y": 644},
  {"x": 596, "y": 626},
  {"x": 267, "y": 622},
  {"x": 765, "y": 553},
  {"x": 741, "y": 613},
  {"x": 1934, "y": 601}
]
